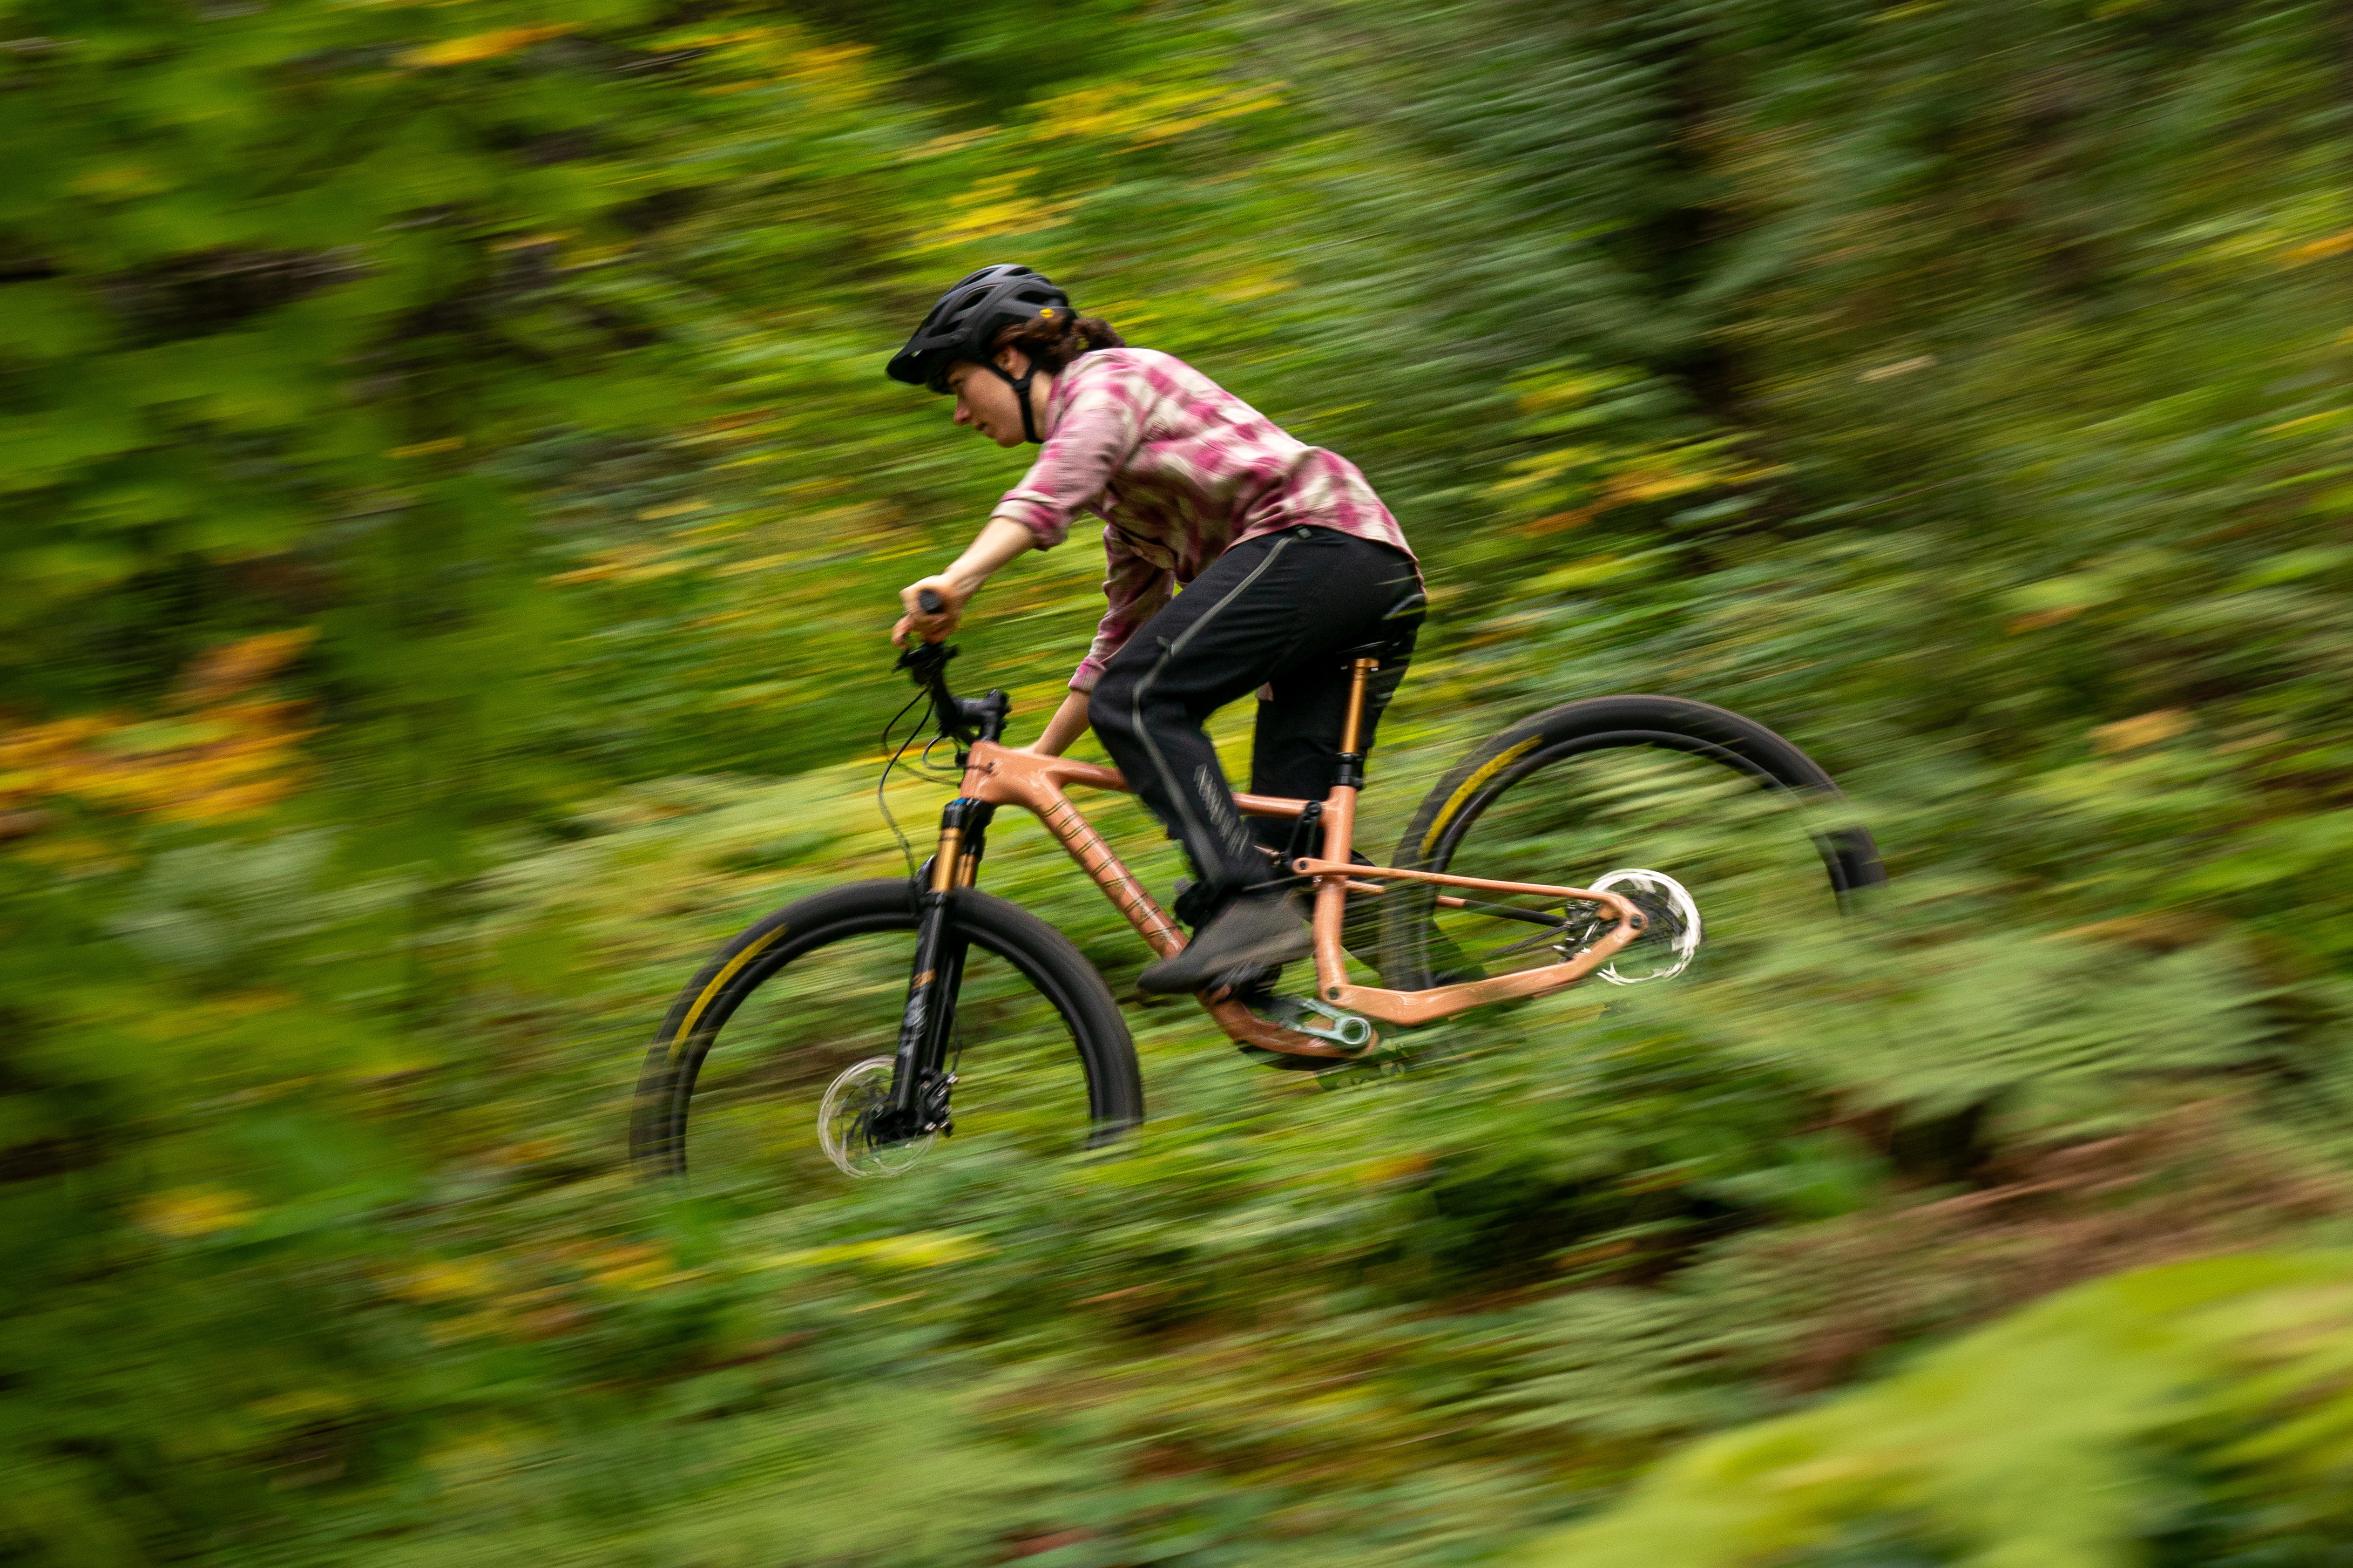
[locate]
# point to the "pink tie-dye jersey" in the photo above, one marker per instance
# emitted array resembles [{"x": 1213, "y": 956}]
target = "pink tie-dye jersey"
[{"x": 1181, "y": 470}]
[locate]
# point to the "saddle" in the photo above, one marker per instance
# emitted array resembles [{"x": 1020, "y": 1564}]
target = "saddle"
[{"x": 1400, "y": 623}]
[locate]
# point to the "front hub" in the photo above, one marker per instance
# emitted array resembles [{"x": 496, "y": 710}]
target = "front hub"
[{"x": 855, "y": 1124}]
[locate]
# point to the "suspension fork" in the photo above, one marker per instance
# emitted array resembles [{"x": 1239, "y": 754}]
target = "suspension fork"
[{"x": 919, "y": 1078}]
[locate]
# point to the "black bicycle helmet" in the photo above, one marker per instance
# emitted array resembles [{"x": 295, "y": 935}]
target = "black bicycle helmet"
[{"x": 967, "y": 318}]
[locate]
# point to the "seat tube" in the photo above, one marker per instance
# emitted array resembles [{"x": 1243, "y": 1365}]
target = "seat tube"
[{"x": 1340, "y": 831}]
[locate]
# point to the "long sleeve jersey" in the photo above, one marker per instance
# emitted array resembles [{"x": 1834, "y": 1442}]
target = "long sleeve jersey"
[{"x": 1180, "y": 470}]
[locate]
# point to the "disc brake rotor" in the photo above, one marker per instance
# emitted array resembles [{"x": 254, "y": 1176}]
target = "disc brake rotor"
[
  {"x": 845, "y": 1123},
  {"x": 1667, "y": 947}
]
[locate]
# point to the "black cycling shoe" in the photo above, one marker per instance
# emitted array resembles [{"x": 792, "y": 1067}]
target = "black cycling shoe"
[
  {"x": 1254, "y": 931},
  {"x": 1253, "y": 986}
]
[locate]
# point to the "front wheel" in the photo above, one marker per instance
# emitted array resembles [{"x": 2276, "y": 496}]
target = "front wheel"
[
  {"x": 1708, "y": 820},
  {"x": 768, "y": 1054}
]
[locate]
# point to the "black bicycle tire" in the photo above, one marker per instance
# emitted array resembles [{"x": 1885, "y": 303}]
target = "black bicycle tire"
[
  {"x": 1849, "y": 854},
  {"x": 1044, "y": 956}
]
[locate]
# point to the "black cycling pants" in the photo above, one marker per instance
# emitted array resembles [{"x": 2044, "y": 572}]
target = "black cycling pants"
[{"x": 1282, "y": 611}]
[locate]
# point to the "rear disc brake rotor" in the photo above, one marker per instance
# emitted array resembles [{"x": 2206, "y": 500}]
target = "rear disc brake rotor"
[{"x": 1667, "y": 947}]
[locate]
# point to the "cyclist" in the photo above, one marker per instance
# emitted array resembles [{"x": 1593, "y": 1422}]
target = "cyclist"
[{"x": 1288, "y": 562}]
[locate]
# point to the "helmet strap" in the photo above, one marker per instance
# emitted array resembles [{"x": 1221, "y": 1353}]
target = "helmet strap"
[{"x": 1020, "y": 385}]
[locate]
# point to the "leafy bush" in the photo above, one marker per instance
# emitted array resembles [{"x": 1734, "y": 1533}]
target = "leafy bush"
[{"x": 2139, "y": 1418}]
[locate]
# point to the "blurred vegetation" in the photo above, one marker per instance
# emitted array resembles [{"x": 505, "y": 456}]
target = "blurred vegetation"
[
  {"x": 455, "y": 507},
  {"x": 2191, "y": 1413}
]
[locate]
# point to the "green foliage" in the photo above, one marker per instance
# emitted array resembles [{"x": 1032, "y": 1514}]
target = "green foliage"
[
  {"x": 454, "y": 510},
  {"x": 2060, "y": 1439}
]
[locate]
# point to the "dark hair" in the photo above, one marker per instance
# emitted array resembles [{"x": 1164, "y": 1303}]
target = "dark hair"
[{"x": 1052, "y": 339}]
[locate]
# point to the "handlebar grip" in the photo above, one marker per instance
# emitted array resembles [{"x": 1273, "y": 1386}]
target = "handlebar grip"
[{"x": 929, "y": 601}]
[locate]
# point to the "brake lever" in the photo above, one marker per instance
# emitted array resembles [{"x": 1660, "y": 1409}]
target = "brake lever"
[
  {"x": 927, "y": 663},
  {"x": 925, "y": 660},
  {"x": 959, "y": 721}
]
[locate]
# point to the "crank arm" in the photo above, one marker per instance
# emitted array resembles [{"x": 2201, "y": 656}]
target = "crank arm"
[{"x": 1351, "y": 1030}]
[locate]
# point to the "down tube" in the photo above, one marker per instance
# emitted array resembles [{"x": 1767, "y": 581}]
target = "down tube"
[{"x": 1078, "y": 835}]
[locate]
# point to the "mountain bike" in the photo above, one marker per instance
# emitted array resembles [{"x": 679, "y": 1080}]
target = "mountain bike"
[{"x": 863, "y": 998}]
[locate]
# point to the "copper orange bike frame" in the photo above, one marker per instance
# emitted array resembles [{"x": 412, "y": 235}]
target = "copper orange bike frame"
[{"x": 998, "y": 775}]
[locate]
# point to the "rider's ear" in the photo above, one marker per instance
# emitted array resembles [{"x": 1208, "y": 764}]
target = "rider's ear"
[{"x": 1012, "y": 361}]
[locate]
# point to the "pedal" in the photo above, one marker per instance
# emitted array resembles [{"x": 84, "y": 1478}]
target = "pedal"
[{"x": 1352, "y": 1031}]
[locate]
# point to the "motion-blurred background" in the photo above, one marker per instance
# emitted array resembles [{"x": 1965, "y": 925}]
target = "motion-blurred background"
[{"x": 453, "y": 510}]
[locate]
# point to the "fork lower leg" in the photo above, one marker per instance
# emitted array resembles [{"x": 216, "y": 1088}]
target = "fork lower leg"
[{"x": 919, "y": 1079}]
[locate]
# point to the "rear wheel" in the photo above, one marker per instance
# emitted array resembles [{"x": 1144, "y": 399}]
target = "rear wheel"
[
  {"x": 1708, "y": 820},
  {"x": 769, "y": 1056}
]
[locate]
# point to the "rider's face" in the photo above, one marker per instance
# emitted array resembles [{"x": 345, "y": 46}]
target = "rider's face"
[{"x": 986, "y": 402}]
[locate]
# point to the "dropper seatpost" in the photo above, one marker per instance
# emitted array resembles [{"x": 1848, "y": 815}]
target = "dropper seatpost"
[{"x": 1340, "y": 831}]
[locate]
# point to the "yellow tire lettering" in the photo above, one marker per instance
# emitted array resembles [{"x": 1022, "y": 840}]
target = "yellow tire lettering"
[
  {"x": 719, "y": 983},
  {"x": 1471, "y": 786}
]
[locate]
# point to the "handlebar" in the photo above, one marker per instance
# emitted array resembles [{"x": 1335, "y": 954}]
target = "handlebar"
[{"x": 963, "y": 720}]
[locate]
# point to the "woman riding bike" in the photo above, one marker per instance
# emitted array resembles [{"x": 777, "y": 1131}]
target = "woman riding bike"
[{"x": 1288, "y": 561}]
